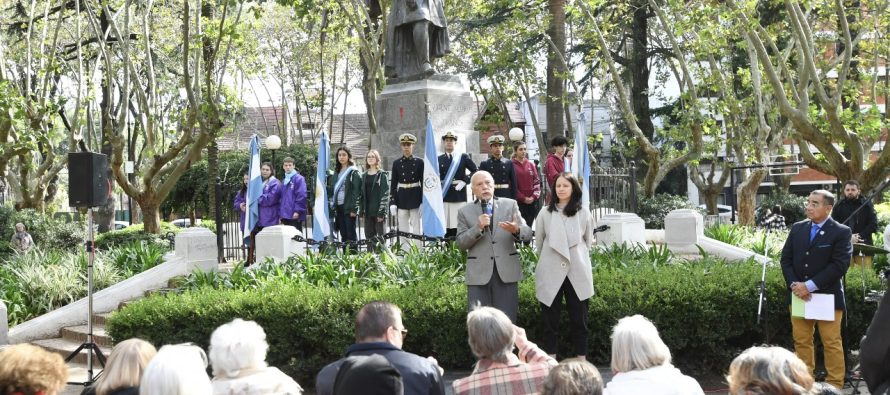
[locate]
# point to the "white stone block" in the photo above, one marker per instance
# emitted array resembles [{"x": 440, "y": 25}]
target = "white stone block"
[
  {"x": 276, "y": 242},
  {"x": 197, "y": 248},
  {"x": 683, "y": 227},
  {"x": 627, "y": 228},
  {"x": 4, "y": 324}
]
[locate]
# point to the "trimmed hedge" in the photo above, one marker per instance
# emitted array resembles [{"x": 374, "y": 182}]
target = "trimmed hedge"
[
  {"x": 706, "y": 313},
  {"x": 135, "y": 234}
]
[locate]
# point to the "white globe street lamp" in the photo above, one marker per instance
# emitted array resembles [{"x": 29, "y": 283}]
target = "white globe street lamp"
[{"x": 516, "y": 134}]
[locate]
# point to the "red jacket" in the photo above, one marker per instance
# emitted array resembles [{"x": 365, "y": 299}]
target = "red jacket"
[
  {"x": 528, "y": 183},
  {"x": 553, "y": 168}
]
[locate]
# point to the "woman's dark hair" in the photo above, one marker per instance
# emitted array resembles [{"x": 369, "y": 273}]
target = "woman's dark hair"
[
  {"x": 348, "y": 154},
  {"x": 270, "y": 167},
  {"x": 574, "y": 204},
  {"x": 244, "y": 185}
]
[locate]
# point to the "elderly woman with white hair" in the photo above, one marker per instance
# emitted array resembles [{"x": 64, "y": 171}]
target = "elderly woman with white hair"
[
  {"x": 492, "y": 337},
  {"x": 176, "y": 370},
  {"x": 769, "y": 370},
  {"x": 641, "y": 362},
  {"x": 238, "y": 355}
]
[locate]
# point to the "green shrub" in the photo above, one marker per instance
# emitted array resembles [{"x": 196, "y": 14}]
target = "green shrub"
[
  {"x": 757, "y": 240},
  {"x": 41, "y": 280},
  {"x": 792, "y": 207},
  {"x": 653, "y": 210},
  {"x": 46, "y": 231},
  {"x": 134, "y": 234},
  {"x": 705, "y": 311}
]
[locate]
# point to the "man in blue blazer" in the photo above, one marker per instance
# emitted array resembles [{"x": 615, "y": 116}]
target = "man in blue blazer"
[{"x": 815, "y": 258}]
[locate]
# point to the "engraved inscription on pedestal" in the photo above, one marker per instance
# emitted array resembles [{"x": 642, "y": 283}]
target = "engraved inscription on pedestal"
[{"x": 402, "y": 108}]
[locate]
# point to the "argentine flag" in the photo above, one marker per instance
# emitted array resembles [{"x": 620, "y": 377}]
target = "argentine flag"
[
  {"x": 321, "y": 225},
  {"x": 254, "y": 189},
  {"x": 581, "y": 165},
  {"x": 432, "y": 209}
]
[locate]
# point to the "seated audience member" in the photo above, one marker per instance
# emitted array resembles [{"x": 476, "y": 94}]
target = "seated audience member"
[
  {"x": 768, "y": 371},
  {"x": 379, "y": 330},
  {"x": 176, "y": 370},
  {"x": 238, "y": 355},
  {"x": 30, "y": 370},
  {"x": 874, "y": 354},
  {"x": 124, "y": 369},
  {"x": 573, "y": 378},
  {"x": 499, "y": 371},
  {"x": 368, "y": 375},
  {"x": 642, "y": 362}
]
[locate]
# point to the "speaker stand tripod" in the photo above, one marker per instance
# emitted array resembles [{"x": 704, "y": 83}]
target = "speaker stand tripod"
[{"x": 90, "y": 346}]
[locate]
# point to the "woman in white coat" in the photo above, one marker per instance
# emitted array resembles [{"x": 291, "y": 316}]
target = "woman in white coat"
[{"x": 563, "y": 236}]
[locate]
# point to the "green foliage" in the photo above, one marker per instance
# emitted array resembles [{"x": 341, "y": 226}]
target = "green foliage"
[
  {"x": 792, "y": 207},
  {"x": 46, "y": 231},
  {"x": 340, "y": 270},
  {"x": 757, "y": 240},
  {"x": 705, "y": 311},
  {"x": 883, "y": 212},
  {"x": 41, "y": 280},
  {"x": 134, "y": 234},
  {"x": 137, "y": 257},
  {"x": 653, "y": 210},
  {"x": 191, "y": 191}
]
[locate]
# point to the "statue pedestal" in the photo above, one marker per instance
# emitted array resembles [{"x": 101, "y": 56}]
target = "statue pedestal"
[{"x": 402, "y": 108}]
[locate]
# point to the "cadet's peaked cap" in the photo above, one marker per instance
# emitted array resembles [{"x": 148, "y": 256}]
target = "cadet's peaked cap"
[
  {"x": 449, "y": 135},
  {"x": 407, "y": 138},
  {"x": 496, "y": 139}
]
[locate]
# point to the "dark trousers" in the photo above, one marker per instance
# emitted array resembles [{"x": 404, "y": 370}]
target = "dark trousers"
[
  {"x": 529, "y": 211},
  {"x": 345, "y": 225},
  {"x": 251, "y": 249},
  {"x": 497, "y": 294},
  {"x": 577, "y": 310},
  {"x": 296, "y": 223},
  {"x": 373, "y": 229}
]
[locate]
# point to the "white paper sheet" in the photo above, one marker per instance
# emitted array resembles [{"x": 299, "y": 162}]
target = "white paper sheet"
[{"x": 820, "y": 307}]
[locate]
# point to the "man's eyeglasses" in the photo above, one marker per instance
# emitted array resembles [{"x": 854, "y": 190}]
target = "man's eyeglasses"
[{"x": 403, "y": 331}]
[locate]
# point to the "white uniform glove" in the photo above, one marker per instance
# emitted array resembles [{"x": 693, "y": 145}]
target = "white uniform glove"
[
  {"x": 460, "y": 185},
  {"x": 393, "y": 209}
]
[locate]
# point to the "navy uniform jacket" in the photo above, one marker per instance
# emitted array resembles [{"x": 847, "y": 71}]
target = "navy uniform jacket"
[
  {"x": 825, "y": 260},
  {"x": 406, "y": 171},
  {"x": 502, "y": 172},
  {"x": 466, "y": 163}
]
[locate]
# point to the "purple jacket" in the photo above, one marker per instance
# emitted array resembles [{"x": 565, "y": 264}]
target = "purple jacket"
[
  {"x": 268, "y": 203},
  {"x": 293, "y": 198},
  {"x": 239, "y": 199}
]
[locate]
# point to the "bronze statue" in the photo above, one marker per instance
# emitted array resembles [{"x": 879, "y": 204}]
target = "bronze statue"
[{"x": 417, "y": 32}]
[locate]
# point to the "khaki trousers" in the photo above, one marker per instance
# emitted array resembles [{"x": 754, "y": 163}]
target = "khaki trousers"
[
  {"x": 830, "y": 333},
  {"x": 862, "y": 261}
]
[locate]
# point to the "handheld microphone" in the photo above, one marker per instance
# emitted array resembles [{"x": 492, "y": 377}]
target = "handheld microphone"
[{"x": 486, "y": 209}]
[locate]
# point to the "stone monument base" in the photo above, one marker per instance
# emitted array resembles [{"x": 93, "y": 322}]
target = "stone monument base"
[{"x": 403, "y": 107}]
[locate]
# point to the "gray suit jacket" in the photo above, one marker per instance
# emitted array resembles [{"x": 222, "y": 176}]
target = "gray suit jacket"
[{"x": 495, "y": 247}]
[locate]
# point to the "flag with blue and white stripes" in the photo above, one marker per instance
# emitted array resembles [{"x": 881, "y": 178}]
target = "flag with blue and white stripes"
[
  {"x": 432, "y": 208},
  {"x": 321, "y": 225},
  {"x": 581, "y": 165},
  {"x": 254, "y": 189}
]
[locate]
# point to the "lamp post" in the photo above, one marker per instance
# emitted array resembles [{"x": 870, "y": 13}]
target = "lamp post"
[
  {"x": 273, "y": 143},
  {"x": 516, "y": 135}
]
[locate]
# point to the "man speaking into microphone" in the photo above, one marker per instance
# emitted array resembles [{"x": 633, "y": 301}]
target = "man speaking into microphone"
[{"x": 489, "y": 229}]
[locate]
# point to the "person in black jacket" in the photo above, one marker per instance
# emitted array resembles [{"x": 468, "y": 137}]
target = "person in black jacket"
[
  {"x": 874, "y": 354},
  {"x": 864, "y": 224},
  {"x": 379, "y": 330},
  {"x": 814, "y": 259},
  {"x": 454, "y": 188}
]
